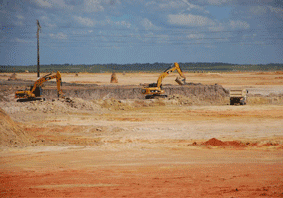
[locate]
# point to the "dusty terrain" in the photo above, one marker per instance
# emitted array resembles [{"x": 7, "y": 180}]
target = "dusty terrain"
[{"x": 192, "y": 145}]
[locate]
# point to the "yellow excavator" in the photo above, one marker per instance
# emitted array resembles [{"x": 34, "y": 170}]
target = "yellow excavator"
[
  {"x": 35, "y": 91},
  {"x": 154, "y": 90}
]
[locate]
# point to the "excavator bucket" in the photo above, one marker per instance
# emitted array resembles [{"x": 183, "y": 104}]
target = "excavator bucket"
[{"x": 180, "y": 80}]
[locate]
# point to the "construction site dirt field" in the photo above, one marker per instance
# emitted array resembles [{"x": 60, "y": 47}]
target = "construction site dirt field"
[{"x": 105, "y": 140}]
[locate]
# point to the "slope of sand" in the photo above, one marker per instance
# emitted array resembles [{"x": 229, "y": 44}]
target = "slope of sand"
[{"x": 11, "y": 134}]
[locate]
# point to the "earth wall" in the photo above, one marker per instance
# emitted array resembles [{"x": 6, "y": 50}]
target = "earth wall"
[{"x": 125, "y": 92}]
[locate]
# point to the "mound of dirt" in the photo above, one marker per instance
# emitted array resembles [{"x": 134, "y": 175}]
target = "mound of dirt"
[
  {"x": 235, "y": 143},
  {"x": 61, "y": 105},
  {"x": 80, "y": 104},
  {"x": 216, "y": 142},
  {"x": 13, "y": 77},
  {"x": 199, "y": 93},
  {"x": 10, "y": 133},
  {"x": 181, "y": 99},
  {"x": 114, "y": 104},
  {"x": 114, "y": 78}
]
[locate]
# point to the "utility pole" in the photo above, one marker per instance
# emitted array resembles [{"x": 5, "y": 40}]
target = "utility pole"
[{"x": 38, "y": 29}]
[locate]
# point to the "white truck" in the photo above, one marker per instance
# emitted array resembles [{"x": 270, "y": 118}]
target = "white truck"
[{"x": 238, "y": 96}]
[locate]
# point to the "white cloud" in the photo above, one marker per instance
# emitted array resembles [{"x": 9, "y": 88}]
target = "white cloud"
[
  {"x": 263, "y": 10},
  {"x": 150, "y": 3},
  {"x": 20, "y": 20},
  {"x": 194, "y": 7},
  {"x": 276, "y": 10},
  {"x": 18, "y": 40},
  {"x": 239, "y": 25},
  {"x": 162, "y": 38},
  {"x": 112, "y": 2},
  {"x": 62, "y": 4},
  {"x": 20, "y": 17},
  {"x": 218, "y": 27},
  {"x": 123, "y": 23},
  {"x": 218, "y": 2},
  {"x": 19, "y": 23},
  {"x": 195, "y": 36},
  {"x": 85, "y": 21},
  {"x": 249, "y": 36},
  {"x": 82, "y": 5},
  {"x": 47, "y": 22},
  {"x": 170, "y": 5},
  {"x": 258, "y": 10},
  {"x": 93, "y": 5},
  {"x": 53, "y": 3},
  {"x": 109, "y": 21},
  {"x": 59, "y": 36},
  {"x": 190, "y": 20},
  {"x": 147, "y": 24},
  {"x": 43, "y": 3}
]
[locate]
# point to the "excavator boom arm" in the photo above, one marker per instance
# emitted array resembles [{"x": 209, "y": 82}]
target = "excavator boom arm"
[
  {"x": 59, "y": 84},
  {"x": 173, "y": 67},
  {"x": 40, "y": 81}
]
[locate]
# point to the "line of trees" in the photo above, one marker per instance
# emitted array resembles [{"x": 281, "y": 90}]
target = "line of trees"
[{"x": 142, "y": 67}]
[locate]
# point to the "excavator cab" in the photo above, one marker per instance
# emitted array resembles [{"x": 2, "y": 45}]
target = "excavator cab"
[{"x": 37, "y": 92}]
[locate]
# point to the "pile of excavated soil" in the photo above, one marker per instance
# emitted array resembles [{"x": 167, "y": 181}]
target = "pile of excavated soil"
[
  {"x": 114, "y": 78},
  {"x": 31, "y": 109},
  {"x": 199, "y": 91},
  {"x": 114, "y": 104},
  {"x": 79, "y": 103},
  {"x": 13, "y": 77},
  {"x": 182, "y": 100},
  {"x": 10, "y": 133},
  {"x": 269, "y": 99},
  {"x": 216, "y": 142},
  {"x": 61, "y": 105}
]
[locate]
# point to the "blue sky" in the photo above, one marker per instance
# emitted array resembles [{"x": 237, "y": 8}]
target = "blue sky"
[{"x": 141, "y": 31}]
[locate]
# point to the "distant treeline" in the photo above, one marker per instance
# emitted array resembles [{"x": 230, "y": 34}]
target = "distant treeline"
[{"x": 143, "y": 67}]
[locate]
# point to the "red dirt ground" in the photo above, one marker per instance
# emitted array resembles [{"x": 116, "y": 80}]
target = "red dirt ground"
[{"x": 221, "y": 180}]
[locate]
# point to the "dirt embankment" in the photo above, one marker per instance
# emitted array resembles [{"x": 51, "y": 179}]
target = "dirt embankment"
[
  {"x": 11, "y": 134},
  {"x": 202, "y": 92},
  {"x": 192, "y": 93}
]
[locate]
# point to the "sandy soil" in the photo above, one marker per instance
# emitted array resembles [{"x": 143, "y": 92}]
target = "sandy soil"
[{"x": 137, "y": 148}]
